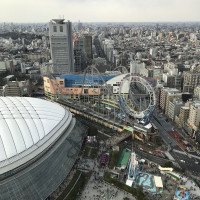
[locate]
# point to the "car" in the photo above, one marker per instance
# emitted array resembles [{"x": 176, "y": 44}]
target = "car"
[
  {"x": 196, "y": 162},
  {"x": 183, "y": 161}
]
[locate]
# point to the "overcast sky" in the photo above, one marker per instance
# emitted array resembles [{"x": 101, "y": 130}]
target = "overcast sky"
[{"x": 100, "y": 10}]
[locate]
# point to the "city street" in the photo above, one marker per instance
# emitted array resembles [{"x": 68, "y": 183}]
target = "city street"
[
  {"x": 187, "y": 163},
  {"x": 164, "y": 135}
]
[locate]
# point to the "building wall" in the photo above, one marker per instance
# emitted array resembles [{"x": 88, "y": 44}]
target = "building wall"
[
  {"x": 88, "y": 45},
  {"x": 197, "y": 92},
  {"x": 190, "y": 81},
  {"x": 51, "y": 89},
  {"x": 174, "y": 109},
  {"x": 184, "y": 114},
  {"x": 12, "y": 89},
  {"x": 171, "y": 97},
  {"x": 163, "y": 96},
  {"x": 194, "y": 116}
]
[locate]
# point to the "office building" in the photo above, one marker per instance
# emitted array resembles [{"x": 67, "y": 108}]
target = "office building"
[
  {"x": 80, "y": 26},
  {"x": 88, "y": 45},
  {"x": 60, "y": 34},
  {"x": 79, "y": 55}
]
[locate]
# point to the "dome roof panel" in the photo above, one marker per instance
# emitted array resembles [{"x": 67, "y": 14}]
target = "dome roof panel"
[
  {"x": 16, "y": 135},
  {"x": 25, "y": 125}
]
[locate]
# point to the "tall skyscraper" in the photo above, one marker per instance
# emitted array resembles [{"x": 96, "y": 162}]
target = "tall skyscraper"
[
  {"x": 80, "y": 25},
  {"x": 60, "y": 34},
  {"x": 88, "y": 45}
]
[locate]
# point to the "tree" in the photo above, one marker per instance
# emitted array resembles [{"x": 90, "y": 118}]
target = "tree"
[
  {"x": 92, "y": 131},
  {"x": 168, "y": 164}
]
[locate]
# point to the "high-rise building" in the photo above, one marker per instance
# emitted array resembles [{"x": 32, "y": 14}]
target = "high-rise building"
[
  {"x": 79, "y": 55},
  {"x": 88, "y": 45},
  {"x": 60, "y": 34},
  {"x": 80, "y": 26}
]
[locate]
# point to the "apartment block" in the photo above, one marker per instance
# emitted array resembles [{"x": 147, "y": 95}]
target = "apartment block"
[
  {"x": 190, "y": 81},
  {"x": 163, "y": 96},
  {"x": 184, "y": 115},
  {"x": 194, "y": 116},
  {"x": 174, "y": 108}
]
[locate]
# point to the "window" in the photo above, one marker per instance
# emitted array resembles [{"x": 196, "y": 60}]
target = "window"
[
  {"x": 85, "y": 91},
  {"x": 61, "y": 82},
  {"x": 61, "y": 28},
  {"x": 54, "y": 28}
]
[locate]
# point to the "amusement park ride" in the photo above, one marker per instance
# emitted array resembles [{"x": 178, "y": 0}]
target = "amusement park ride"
[{"x": 135, "y": 101}]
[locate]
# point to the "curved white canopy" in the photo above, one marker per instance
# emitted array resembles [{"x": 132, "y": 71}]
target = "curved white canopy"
[{"x": 25, "y": 124}]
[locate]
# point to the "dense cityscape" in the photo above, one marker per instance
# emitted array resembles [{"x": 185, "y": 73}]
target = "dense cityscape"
[{"x": 95, "y": 111}]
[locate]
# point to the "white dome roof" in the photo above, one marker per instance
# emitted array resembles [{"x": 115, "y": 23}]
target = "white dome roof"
[{"x": 25, "y": 125}]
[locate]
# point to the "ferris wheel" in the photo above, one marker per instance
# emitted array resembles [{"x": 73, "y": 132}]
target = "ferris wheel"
[{"x": 138, "y": 97}]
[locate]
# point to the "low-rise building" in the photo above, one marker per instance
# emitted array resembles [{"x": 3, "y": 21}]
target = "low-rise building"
[{"x": 16, "y": 88}]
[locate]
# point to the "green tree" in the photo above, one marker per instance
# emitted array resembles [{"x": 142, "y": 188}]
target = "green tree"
[{"x": 92, "y": 131}]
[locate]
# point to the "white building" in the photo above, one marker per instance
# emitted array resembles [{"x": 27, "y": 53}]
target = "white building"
[{"x": 136, "y": 67}]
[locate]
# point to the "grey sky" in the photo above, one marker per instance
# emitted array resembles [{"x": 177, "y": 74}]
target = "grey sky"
[{"x": 100, "y": 10}]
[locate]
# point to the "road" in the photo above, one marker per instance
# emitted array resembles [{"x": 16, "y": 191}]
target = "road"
[
  {"x": 163, "y": 127},
  {"x": 188, "y": 164},
  {"x": 184, "y": 159},
  {"x": 162, "y": 130}
]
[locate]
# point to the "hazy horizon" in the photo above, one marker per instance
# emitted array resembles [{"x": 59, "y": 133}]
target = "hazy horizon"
[{"x": 31, "y": 11}]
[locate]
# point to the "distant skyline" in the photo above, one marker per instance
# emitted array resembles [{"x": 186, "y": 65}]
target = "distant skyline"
[{"x": 100, "y": 10}]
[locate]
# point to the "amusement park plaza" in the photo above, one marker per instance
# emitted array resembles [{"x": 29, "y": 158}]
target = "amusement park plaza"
[{"x": 124, "y": 109}]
